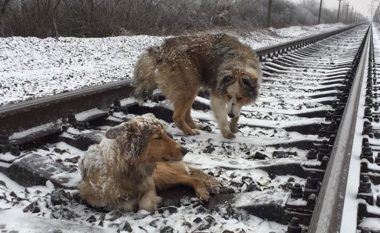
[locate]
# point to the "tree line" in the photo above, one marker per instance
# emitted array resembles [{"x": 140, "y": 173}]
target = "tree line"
[{"x": 100, "y": 18}]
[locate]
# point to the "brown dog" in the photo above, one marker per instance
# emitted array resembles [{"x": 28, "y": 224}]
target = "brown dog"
[
  {"x": 124, "y": 169},
  {"x": 182, "y": 65}
]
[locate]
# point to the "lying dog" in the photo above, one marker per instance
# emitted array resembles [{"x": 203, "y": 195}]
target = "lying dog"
[
  {"x": 182, "y": 65},
  {"x": 124, "y": 170}
]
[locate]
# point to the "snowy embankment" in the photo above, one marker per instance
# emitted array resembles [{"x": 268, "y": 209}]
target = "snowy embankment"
[{"x": 32, "y": 67}]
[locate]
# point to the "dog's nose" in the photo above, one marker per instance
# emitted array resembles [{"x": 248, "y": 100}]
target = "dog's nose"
[
  {"x": 231, "y": 115},
  {"x": 184, "y": 150}
]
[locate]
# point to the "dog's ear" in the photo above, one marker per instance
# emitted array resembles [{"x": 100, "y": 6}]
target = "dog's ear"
[
  {"x": 135, "y": 134},
  {"x": 114, "y": 132},
  {"x": 138, "y": 138},
  {"x": 127, "y": 127}
]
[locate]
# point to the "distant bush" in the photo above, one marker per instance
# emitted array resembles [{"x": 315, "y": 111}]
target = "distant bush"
[{"x": 98, "y": 18}]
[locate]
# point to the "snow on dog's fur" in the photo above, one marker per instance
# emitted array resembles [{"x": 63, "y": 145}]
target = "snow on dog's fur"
[
  {"x": 123, "y": 170},
  {"x": 181, "y": 65}
]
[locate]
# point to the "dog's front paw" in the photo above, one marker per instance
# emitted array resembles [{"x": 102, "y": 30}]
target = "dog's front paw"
[
  {"x": 233, "y": 124},
  {"x": 234, "y": 129},
  {"x": 228, "y": 134},
  {"x": 149, "y": 202},
  {"x": 213, "y": 185},
  {"x": 202, "y": 193}
]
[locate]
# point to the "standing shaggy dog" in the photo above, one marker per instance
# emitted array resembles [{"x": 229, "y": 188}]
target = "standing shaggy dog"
[
  {"x": 181, "y": 65},
  {"x": 123, "y": 171}
]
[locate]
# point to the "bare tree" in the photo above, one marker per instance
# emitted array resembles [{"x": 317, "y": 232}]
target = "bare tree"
[
  {"x": 99, "y": 18},
  {"x": 4, "y": 5}
]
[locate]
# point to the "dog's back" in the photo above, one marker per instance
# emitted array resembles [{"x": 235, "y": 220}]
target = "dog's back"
[
  {"x": 172, "y": 51},
  {"x": 205, "y": 52},
  {"x": 118, "y": 171},
  {"x": 94, "y": 171}
]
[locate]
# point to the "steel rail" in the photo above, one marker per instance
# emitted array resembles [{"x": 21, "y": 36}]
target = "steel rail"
[
  {"x": 327, "y": 215},
  {"x": 24, "y": 115},
  {"x": 271, "y": 51}
]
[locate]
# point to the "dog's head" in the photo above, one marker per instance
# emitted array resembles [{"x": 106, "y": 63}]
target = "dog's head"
[
  {"x": 238, "y": 85},
  {"x": 144, "y": 139}
]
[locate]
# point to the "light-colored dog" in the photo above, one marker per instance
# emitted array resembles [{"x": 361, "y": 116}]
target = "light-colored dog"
[
  {"x": 124, "y": 170},
  {"x": 181, "y": 65}
]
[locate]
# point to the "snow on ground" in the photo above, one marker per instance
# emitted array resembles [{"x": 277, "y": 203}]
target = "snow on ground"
[
  {"x": 15, "y": 199},
  {"x": 31, "y": 67}
]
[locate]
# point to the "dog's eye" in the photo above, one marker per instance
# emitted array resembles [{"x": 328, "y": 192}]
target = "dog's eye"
[
  {"x": 229, "y": 97},
  {"x": 239, "y": 98},
  {"x": 247, "y": 82},
  {"x": 227, "y": 79}
]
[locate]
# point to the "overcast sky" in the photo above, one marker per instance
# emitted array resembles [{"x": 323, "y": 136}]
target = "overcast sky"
[{"x": 361, "y": 6}]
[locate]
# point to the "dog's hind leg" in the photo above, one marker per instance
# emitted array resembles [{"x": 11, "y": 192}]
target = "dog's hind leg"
[
  {"x": 189, "y": 119},
  {"x": 182, "y": 108},
  {"x": 197, "y": 125}
]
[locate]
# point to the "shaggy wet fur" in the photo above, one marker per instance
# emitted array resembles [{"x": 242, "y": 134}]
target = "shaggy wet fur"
[
  {"x": 181, "y": 65},
  {"x": 125, "y": 168}
]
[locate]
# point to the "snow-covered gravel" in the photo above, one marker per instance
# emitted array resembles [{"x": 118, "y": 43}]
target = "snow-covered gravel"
[
  {"x": 31, "y": 67},
  {"x": 49, "y": 66},
  {"x": 351, "y": 208}
]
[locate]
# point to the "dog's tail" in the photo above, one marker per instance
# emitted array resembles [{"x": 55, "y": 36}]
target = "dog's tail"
[{"x": 145, "y": 67}]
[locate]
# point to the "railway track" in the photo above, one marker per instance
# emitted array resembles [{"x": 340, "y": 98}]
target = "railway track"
[{"x": 305, "y": 158}]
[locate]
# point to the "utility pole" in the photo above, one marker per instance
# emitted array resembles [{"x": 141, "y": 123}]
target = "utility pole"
[
  {"x": 269, "y": 19},
  {"x": 320, "y": 10},
  {"x": 352, "y": 14},
  {"x": 371, "y": 8},
  {"x": 2, "y": 13},
  {"x": 348, "y": 5},
  {"x": 338, "y": 10}
]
